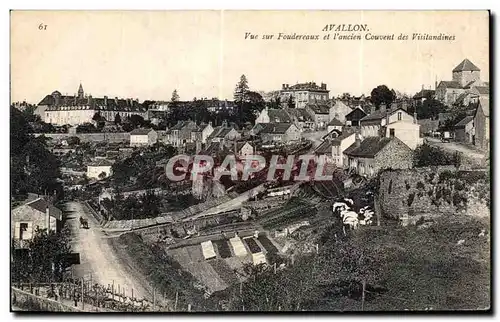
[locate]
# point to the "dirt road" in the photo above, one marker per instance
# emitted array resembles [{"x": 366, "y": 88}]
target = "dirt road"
[
  {"x": 457, "y": 146},
  {"x": 97, "y": 259}
]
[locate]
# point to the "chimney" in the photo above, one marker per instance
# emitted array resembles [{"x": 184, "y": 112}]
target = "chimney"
[
  {"x": 89, "y": 99},
  {"x": 283, "y": 86},
  {"x": 105, "y": 100},
  {"x": 116, "y": 101},
  {"x": 323, "y": 86},
  {"x": 422, "y": 86},
  {"x": 47, "y": 218}
]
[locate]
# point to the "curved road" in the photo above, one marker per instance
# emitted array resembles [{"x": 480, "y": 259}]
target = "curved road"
[{"x": 97, "y": 259}]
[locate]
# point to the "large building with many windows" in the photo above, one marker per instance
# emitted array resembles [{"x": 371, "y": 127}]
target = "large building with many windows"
[
  {"x": 303, "y": 94},
  {"x": 58, "y": 109}
]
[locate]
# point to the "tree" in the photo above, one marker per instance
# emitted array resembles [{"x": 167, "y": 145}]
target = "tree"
[
  {"x": 118, "y": 119},
  {"x": 102, "y": 175},
  {"x": 291, "y": 103},
  {"x": 86, "y": 128},
  {"x": 382, "y": 95},
  {"x": 45, "y": 260},
  {"x": 175, "y": 96},
  {"x": 426, "y": 155},
  {"x": 241, "y": 90}
]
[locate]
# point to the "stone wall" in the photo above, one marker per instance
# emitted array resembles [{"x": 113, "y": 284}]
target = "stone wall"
[
  {"x": 123, "y": 137},
  {"x": 429, "y": 191},
  {"x": 395, "y": 155},
  {"x": 26, "y": 300}
]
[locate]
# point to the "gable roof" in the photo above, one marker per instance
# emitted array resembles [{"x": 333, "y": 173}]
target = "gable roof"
[
  {"x": 319, "y": 108},
  {"x": 424, "y": 93},
  {"x": 335, "y": 122},
  {"x": 379, "y": 114},
  {"x": 141, "y": 131},
  {"x": 41, "y": 205},
  {"x": 300, "y": 114},
  {"x": 466, "y": 120},
  {"x": 358, "y": 109},
  {"x": 466, "y": 65},
  {"x": 276, "y": 128},
  {"x": 450, "y": 84},
  {"x": 220, "y": 132},
  {"x": 324, "y": 147},
  {"x": 369, "y": 147},
  {"x": 278, "y": 115}
]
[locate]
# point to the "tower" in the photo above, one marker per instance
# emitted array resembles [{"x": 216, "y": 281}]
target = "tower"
[
  {"x": 466, "y": 72},
  {"x": 80, "y": 91}
]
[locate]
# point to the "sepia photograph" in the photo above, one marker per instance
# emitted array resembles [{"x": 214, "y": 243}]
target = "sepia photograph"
[{"x": 193, "y": 161}]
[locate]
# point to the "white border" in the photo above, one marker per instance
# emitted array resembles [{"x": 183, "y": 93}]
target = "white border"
[{"x": 188, "y": 4}]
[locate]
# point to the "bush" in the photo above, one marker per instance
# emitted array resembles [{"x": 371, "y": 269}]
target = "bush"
[{"x": 426, "y": 155}]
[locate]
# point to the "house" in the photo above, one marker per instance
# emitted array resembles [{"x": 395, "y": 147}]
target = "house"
[
  {"x": 464, "y": 130},
  {"x": 465, "y": 76},
  {"x": 353, "y": 117},
  {"x": 244, "y": 149},
  {"x": 304, "y": 93},
  {"x": 320, "y": 113},
  {"x": 96, "y": 169},
  {"x": 143, "y": 137},
  {"x": 180, "y": 133},
  {"x": 372, "y": 124},
  {"x": 36, "y": 214},
  {"x": 423, "y": 95},
  {"x": 373, "y": 154},
  {"x": 301, "y": 118},
  {"x": 334, "y": 124},
  {"x": 273, "y": 115},
  {"x": 280, "y": 133},
  {"x": 223, "y": 134},
  {"x": 482, "y": 124},
  {"x": 334, "y": 148},
  {"x": 201, "y": 133},
  {"x": 339, "y": 110},
  {"x": 408, "y": 132}
]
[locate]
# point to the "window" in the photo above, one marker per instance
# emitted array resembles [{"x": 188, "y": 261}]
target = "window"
[
  {"x": 391, "y": 133},
  {"x": 400, "y": 116}
]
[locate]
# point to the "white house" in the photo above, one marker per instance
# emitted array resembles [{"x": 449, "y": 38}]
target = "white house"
[
  {"x": 335, "y": 124},
  {"x": 407, "y": 132},
  {"x": 143, "y": 137},
  {"x": 333, "y": 148},
  {"x": 98, "y": 167},
  {"x": 244, "y": 149},
  {"x": 201, "y": 133}
]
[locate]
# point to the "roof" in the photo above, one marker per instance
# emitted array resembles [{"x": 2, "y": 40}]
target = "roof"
[
  {"x": 299, "y": 113},
  {"x": 240, "y": 145},
  {"x": 450, "y": 84},
  {"x": 466, "y": 65},
  {"x": 141, "y": 131},
  {"x": 369, "y": 147},
  {"x": 484, "y": 104},
  {"x": 482, "y": 90},
  {"x": 220, "y": 132},
  {"x": 319, "y": 108},
  {"x": 101, "y": 163},
  {"x": 311, "y": 86},
  {"x": 466, "y": 120},
  {"x": 208, "y": 249},
  {"x": 41, "y": 205},
  {"x": 380, "y": 114},
  {"x": 276, "y": 128},
  {"x": 335, "y": 122},
  {"x": 358, "y": 109},
  {"x": 180, "y": 125},
  {"x": 325, "y": 147},
  {"x": 341, "y": 137},
  {"x": 212, "y": 149},
  {"x": 97, "y": 103},
  {"x": 278, "y": 115}
]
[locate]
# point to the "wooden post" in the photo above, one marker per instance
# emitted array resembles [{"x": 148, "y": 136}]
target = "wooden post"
[
  {"x": 363, "y": 296},
  {"x": 154, "y": 298},
  {"x": 132, "y": 293},
  {"x": 83, "y": 303},
  {"x": 189, "y": 307},
  {"x": 176, "y": 300},
  {"x": 377, "y": 207},
  {"x": 113, "y": 290}
]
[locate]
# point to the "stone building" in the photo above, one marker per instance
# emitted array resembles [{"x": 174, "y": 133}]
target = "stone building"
[
  {"x": 464, "y": 130},
  {"x": 58, "y": 109},
  {"x": 373, "y": 154},
  {"x": 465, "y": 76},
  {"x": 304, "y": 93},
  {"x": 99, "y": 169},
  {"x": 280, "y": 133}
]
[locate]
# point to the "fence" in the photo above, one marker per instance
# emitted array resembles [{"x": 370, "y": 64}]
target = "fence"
[{"x": 81, "y": 296}]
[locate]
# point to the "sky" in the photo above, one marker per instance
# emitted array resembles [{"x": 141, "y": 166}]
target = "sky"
[{"x": 148, "y": 54}]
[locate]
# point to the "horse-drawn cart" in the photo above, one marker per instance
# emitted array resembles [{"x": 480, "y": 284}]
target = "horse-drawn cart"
[{"x": 84, "y": 223}]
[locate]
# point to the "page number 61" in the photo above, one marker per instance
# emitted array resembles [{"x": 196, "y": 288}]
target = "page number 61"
[{"x": 42, "y": 27}]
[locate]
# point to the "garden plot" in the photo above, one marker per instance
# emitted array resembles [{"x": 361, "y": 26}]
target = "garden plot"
[
  {"x": 222, "y": 248},
  {"x": 252, "y": 245}
]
